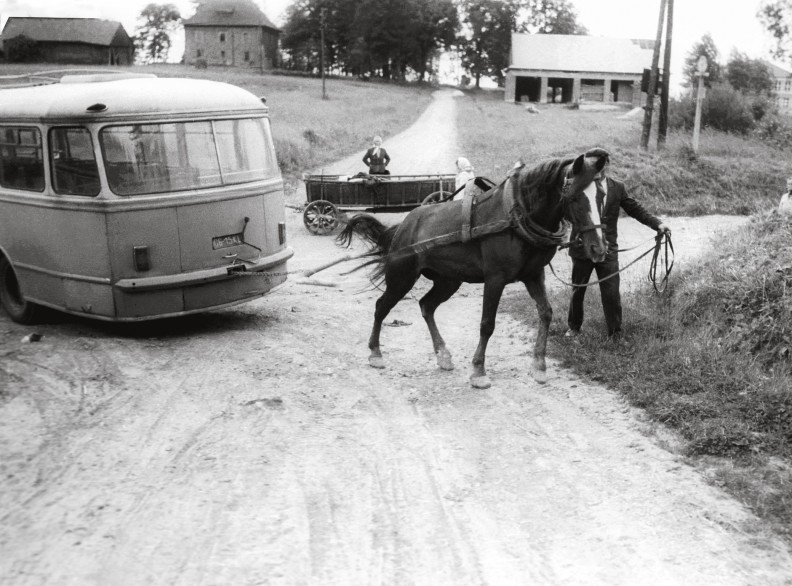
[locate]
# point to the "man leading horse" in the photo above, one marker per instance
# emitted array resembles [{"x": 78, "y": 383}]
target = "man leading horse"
[{"x": 611, "y": 198}]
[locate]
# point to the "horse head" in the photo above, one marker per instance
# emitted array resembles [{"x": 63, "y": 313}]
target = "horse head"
[{"x": 579, "y": 202}]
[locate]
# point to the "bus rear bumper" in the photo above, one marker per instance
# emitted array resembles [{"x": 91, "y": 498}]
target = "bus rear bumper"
[{"x": 230, "y": 271}]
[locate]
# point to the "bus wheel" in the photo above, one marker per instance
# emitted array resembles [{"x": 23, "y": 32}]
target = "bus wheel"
[
  {"x": 320, "y": 217},
  {"x": 18, "y": 309}
]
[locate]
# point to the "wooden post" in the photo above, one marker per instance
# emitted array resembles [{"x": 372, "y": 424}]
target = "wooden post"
[
  {"x": 701, "y": 72},
  {"x": 662, "y": 124},
  {"x": 321, "y": 60},
  {"x": 647, "y": 124}
]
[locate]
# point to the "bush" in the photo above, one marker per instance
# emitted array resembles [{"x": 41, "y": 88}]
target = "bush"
[
  {"x": 22, "y": 49},
  {"x": 201, "y": 63},
  {"x": 723, "y": 108},
  {"x": 727, "y": 109},
  {"x": 775, "y": 130}
]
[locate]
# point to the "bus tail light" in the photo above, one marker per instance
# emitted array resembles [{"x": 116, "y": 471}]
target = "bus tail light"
[
  {"x": 141, "y": 254},
  {"x": 282, "y": 232}
]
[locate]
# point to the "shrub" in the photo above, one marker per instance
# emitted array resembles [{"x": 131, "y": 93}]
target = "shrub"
[
  {"x": 201, "y": 63},
  {"x": 775, "y": 130},
  {"x": 727, "y": 109},
  {"x": 21, "y": 49}
]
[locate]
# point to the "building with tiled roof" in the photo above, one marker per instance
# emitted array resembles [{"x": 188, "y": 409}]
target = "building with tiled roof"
[
  {"x": 231, "y": 32},
  {"x": 571, "y": 68},
  {"x": 73, "y": 40}
]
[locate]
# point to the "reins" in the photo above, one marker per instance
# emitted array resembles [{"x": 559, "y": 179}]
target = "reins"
[{"x": 668, "y": 261}]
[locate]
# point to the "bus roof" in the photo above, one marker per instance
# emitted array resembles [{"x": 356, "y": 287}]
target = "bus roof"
[{"x": 108, "y": 98}]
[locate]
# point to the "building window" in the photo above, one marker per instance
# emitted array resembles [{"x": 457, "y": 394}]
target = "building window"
[
  {"x": 222, "y": 56},
  {"x": 786, "y": 103},
  {"x": 788, "y": 85},
  {"x": 247, "y": 55},
  {"x": 198, "y": 53},
  {"x": 245, "y": 37},
  {"x": 222, "y": 37}
]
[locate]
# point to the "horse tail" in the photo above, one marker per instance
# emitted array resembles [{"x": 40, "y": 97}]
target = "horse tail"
[
  {"x": 369, "y": 229},
  {"x": 376, "y": 234}
]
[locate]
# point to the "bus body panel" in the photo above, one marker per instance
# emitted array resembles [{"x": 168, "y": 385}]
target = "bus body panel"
[{"x": 197, "y": 249}]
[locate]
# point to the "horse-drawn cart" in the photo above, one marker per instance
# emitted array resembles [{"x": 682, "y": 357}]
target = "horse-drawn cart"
[{"x": 327, "y": 195}]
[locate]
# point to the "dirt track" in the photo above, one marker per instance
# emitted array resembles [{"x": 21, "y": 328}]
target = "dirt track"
[{"x": 256, "y": 446}]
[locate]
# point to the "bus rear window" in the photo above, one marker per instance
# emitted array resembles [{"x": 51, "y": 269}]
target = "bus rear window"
[
  {"x": 21, "y": 158},
  {"x": 178, "y": 156},
  {"x": 74, "y": 169}
]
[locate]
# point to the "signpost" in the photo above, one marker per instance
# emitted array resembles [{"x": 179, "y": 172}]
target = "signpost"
[{"x": 701, "y": 73}]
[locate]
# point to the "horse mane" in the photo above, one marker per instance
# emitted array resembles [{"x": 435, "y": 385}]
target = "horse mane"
[{"x": 542, "y": 182}]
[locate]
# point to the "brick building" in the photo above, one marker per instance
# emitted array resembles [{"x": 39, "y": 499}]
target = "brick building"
[
  {"x": 231, "y": 32},
  {"x": 571, "y": 68},
  {"x": 89, "y": 41}
]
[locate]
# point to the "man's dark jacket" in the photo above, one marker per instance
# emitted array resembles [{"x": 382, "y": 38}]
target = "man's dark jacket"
[{"x": 616, "y": 199}]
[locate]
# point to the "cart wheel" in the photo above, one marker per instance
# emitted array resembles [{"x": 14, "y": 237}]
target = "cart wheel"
[
  {"x": 436, "y": 197},
  {"x": 320, "y": 217},
  {"x": 18, "y": 308}
]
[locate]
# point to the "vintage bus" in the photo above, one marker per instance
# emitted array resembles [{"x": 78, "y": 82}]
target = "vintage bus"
[{"x": 129, "y": 197}]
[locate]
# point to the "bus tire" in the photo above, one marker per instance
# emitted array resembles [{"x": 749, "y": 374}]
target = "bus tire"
[{"x": 16, "y": 306}]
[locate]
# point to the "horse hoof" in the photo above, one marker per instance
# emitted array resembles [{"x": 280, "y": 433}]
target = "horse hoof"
[
  {"x": 376, "y": 362},
  {"x": 480, "y": 382},
  {"x": 444, "y": 362},
  {"x": 540, "y": 376}
]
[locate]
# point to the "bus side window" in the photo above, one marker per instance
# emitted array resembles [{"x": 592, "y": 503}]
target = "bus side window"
[
  {"x": 21, "y": 158},
  {"x": 74, "y": 168}
]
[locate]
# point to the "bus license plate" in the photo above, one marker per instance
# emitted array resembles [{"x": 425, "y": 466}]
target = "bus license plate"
[{"x": 227, "y": 241}]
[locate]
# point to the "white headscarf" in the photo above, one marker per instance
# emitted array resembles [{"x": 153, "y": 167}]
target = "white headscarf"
[{"x": 376, "y": 151}]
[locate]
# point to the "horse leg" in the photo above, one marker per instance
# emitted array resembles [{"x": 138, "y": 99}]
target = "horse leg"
[
  {"x": 537, "y": 291},
  {"x": 493, "y": 289},
  {"x": 395, "y": 288},
  {"x": 441, "y": 291}
]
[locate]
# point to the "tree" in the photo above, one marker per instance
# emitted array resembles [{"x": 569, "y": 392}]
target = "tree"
[
  {"x": 706, "y": 46},
  {"x": 487, "y": 40},
  {"x": 157, "y": 22},
  {"x": 776, "y": 16},
  {"x": 749, "y": 75},
  {"x": 553, "y": 17}
]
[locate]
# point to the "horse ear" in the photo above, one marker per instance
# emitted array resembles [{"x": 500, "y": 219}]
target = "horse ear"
[{"x": 577, "y": 165}]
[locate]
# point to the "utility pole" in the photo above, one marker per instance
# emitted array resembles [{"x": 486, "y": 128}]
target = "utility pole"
[
  {"x": 662, "y": 124},
  {"x": 322, "y": 49},
  {"x": 650, "y": 93}
]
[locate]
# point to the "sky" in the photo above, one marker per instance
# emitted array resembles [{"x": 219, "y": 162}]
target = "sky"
[{"x": 731, "y": 23}]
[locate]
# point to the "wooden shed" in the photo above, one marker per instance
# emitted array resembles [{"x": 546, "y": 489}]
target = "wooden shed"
[
  {"x": 73, "y": 40},
  {"x": 571, "y": 68}
]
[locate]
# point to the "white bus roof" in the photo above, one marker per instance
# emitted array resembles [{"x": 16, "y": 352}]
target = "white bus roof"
[{"x": 82, "y": 97}]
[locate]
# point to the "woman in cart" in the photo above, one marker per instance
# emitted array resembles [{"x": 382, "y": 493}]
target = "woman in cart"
[{"x": 377, "y": 158}]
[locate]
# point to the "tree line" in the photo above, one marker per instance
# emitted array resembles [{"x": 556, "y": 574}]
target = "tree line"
[{"x": 402, "y": 39}]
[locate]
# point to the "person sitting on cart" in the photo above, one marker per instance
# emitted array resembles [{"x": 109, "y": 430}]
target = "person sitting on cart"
[
  {"x": 377, "y": 158},
  {"x": 464, "y": 176}
]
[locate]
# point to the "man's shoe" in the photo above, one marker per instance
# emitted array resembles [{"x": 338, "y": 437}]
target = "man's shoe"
[{"x": 571, "y": 333}]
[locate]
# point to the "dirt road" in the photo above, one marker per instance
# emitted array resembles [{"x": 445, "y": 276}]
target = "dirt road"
[{"x": 256, "y": 446}]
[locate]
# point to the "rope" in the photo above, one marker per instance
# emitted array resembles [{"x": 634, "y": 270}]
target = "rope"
[{"x": 658, "y": 246}]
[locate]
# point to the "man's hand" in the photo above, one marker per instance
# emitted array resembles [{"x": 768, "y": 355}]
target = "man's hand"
[{"x": 663, "y": 229}]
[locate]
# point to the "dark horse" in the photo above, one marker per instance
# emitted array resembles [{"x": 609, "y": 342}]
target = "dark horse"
[{"x": 425, "y": 243}]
